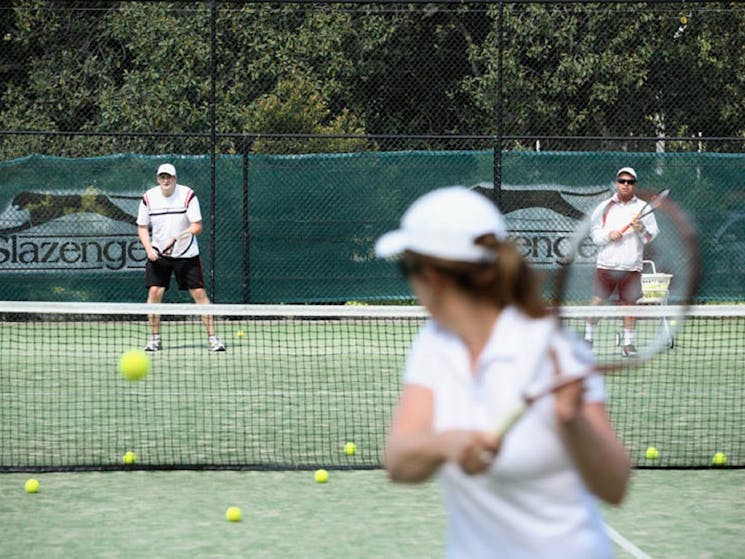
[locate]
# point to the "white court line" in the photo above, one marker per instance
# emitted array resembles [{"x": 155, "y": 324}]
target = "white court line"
[{"x": 625, "y": 544}]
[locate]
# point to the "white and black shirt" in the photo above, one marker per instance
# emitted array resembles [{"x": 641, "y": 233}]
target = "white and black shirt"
[{"x": 170, "y": 215}]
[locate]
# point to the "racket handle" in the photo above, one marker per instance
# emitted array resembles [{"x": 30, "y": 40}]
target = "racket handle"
[
  {"x": 628, "y": 225},
  {"x": 637, "y": 216},
  {"x": 169, "y": 246},
  {"x": 515, "y": 414}
]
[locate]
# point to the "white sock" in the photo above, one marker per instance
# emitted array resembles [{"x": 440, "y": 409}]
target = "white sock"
[
  {"x": 628, "y": 337},
  {"x": 589, "y": 329}
]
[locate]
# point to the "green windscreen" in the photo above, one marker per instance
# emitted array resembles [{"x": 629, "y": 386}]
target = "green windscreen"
[{"x": 301, "y": 229}]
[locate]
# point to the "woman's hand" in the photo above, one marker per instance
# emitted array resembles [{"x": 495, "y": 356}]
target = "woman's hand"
[
  {"x": 473, "y": 451},
  {"x": 568, "y": 400}
]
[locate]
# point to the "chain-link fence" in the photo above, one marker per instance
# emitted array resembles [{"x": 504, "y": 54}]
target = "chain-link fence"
[{"x": 306, "y": 129}]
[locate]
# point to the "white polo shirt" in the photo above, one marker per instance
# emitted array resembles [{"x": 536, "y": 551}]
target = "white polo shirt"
[
  {"x": 532, "y": 502},
  {"x": 170, "y": 215},
  {"x": 627, "y": 253}
]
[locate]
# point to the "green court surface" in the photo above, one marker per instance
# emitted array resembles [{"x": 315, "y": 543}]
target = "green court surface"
[
  {"x": 283, "y": 395},
  {"x": 668, "y": 514},
  {"x": 284, "y": 399},
  {"x": 289, "y": 393}
]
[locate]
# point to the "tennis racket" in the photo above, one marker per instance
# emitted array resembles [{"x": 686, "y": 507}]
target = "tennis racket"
[
  {"x": 177, "y": 246},
  {"x": 652, "y": 204},
  {"x": 675, "y": 252}
]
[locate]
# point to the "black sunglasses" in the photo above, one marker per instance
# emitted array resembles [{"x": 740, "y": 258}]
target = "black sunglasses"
[{"x": 626, "y": 181}]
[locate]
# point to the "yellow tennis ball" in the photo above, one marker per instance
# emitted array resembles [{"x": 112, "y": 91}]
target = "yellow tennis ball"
[
  {"x": 321, "y": 476},
  {"x": 240, "y": 333},
  {"x": 31, "y": 486},
  {"x": 652, "y": 453},
  {"x": 683, "y": 20},
  {"x": 233, "y": 514},
  {"x": 129, "y": 457},
  {"x": 350, "y": 449},
  {"x": 719, "y": 459},
  {"x": 134, "y": 364}
]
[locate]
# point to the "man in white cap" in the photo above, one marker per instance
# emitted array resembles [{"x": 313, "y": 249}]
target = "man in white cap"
[
  {"x": 171, "y": 211},
  {"x": 620, "y": 252}
]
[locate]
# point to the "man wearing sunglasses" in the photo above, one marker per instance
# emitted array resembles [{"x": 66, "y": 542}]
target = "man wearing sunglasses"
[{"x": 620, "y": 251}]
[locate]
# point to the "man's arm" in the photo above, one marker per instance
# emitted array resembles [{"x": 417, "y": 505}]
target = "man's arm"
[
  {"x": 144, "y": 234},
  {"x": 599, "y": 234},
  {"x": 195, "y": 228},
  {"x": 647, "y": 229}
]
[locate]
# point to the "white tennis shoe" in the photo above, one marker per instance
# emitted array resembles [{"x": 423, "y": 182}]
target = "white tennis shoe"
[
  {"x": 216, "y": 344},
  {"x": 154, "y": 344}
]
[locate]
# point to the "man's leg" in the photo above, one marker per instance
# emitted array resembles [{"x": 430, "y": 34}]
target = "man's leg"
[
  {"x": 190, "y": 276},
  {"x": 200, "y": 298},
  {"x": 157, "y": 278},
  {"x": 630, "y": 291},
  {"x": 591, "y": 322},
  {"x": 629, "y": 327},
  {"x": 602, "y": 287},
  {"x": 154, "y": 297}
]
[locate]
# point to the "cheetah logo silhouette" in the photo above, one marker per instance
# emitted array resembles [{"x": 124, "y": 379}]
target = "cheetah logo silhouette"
[
  {"x": 513, "y": 200},
  {"x": 31, "y": 209}
]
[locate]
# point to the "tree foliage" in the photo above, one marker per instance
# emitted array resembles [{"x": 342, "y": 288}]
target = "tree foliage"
[
  {"x": 610, "y": 70},
  {"x": 137, "y": 75}
]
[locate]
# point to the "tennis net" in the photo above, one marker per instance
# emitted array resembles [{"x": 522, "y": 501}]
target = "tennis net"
[{"x": 298, "y": 382}]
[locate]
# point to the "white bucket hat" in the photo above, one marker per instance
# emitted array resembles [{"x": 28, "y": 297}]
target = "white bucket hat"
[{"x": 444, "y": 223}]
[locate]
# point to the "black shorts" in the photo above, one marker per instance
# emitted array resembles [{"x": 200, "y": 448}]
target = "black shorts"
[
  {"x": 188, "y": 271},
  {"x": 628, "y": 284}
]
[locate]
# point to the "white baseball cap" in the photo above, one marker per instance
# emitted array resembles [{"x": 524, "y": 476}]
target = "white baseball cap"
[
  {"x": 627, "y": 170},
  {"x": 444, "y": 223},
  {"x": 166, "y": 168}
]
